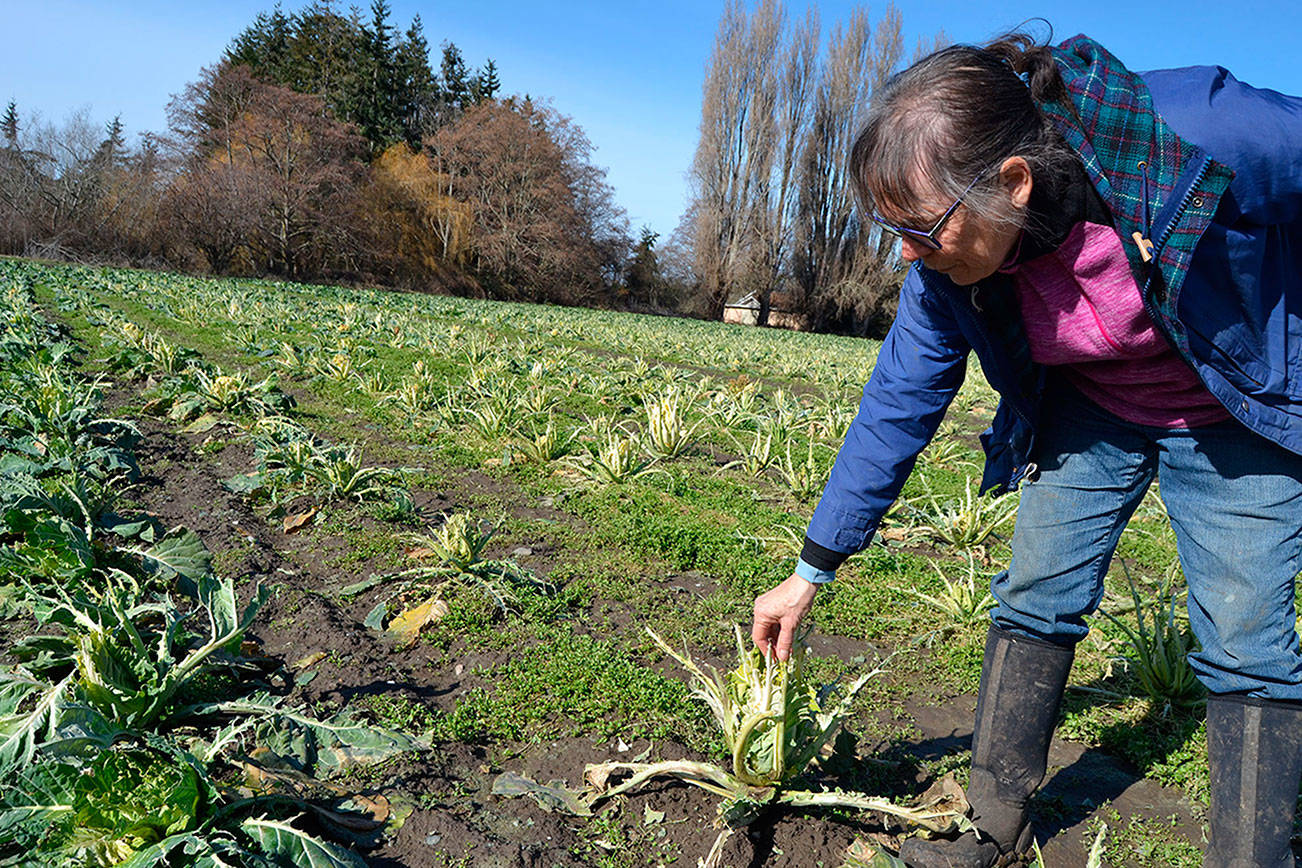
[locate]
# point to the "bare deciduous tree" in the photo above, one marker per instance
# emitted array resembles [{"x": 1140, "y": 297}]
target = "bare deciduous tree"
[
  {"x": 731, "y": 173},
  {"x": 51, "y": 186},
  {"x": 541, "y": 212},
  {"x": 771, "y": 206},
  {"x": 837, "y": 265},
  {"x": 269, "y": 171}
]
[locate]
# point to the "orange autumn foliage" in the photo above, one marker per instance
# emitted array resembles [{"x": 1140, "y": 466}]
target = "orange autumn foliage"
[{"x": 408, "y": 200}]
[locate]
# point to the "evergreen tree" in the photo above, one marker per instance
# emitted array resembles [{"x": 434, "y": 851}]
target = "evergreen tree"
[
  {"x": 418, "y": 89},
  {"x": 366, "y": 71},
  {"x": 486, "y": 83},
  {"x": 9, "y": 125},
  {"x": 112, "y": 150},
  {"x": 265, "y": 46},
  {"x": 454, "y": 79},
  {"x": 324, "y": 58},
  {"x": 380, "y": 113},
  {"x": 643, "y": 279}
]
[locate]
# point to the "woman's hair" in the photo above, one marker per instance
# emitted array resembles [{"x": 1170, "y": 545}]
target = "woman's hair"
[{"x": 955, "y": 116}]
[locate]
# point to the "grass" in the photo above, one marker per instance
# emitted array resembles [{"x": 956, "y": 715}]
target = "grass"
[
  {"x": 574, "y": 685},
  {"x": 399, "y": 712},
  {"x": 1145, "y": 841}
]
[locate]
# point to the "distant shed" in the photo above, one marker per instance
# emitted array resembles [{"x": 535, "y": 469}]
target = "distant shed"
[
  {"x": 743, "y": 311},
  {"x": 783, "y": 311}
]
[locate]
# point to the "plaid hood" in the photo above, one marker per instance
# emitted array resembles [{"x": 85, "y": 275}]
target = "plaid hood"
[{"x": 1155, "y": 182}]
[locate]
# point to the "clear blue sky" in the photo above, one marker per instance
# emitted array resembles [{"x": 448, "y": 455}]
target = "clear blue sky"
[{"x": 629, "y": 73}]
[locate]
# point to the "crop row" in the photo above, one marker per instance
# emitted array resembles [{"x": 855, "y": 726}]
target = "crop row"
[{"x": 136, "y": 728}]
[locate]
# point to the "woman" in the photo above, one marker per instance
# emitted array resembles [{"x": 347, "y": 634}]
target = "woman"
[{"x": 1122, "y": 253}]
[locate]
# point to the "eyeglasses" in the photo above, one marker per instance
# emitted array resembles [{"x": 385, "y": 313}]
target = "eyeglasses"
[{"x": 929, "y": 239}]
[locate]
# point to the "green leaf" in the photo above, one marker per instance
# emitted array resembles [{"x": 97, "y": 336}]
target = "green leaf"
[
  {"x": 36, "y": 800},
  {"x": 156, "y": 854},
  {"x": 333, "y": 744},
  {"x": 21, "y": 732},
  {"x": 375, "y": 620},
  {"x": 282, "y": 841},
  {"x": 181, "y": 553},
  {"x": 41, "y": 653},
  {"x": 129, "y": 528},
  {"x": 213, "y": 849},
  {"x": 52, "y": 546},
  {"x": 217, "y": 595},
  {"x": 184, "y": 409},
  {"x": 245, "y": 483},
  {"x": 13, "y": 463},
  {"x": 342, "y": 743},
  {"x": 204, "y": 423},
  {"x": 364, "y": 585}
]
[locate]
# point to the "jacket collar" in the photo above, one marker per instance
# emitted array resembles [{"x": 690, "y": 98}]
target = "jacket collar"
[{"x": 1153, "y": 181}]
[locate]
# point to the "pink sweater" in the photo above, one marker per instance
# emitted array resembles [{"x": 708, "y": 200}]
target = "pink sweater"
[{"x": 1082, "y": 310}]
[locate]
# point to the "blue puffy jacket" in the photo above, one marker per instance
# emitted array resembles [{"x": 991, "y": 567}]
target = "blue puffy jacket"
[{"x": 1235, "y": 315}]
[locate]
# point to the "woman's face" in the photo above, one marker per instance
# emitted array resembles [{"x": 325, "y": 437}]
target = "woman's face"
[{"x": 972, "y": 247}]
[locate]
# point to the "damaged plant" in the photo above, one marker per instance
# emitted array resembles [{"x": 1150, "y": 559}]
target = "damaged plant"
[
  {"x": 456, "y": 549},
  {"x": 1161, "y": 646},
  {"x": 774, "y": 722}
]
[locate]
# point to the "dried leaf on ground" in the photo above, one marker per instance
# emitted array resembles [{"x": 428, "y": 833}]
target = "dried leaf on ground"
[
  {"x": 406, "y": 626},
  {"x": 309, "y": 660},
  {"x": 551, "y": 796},
  {"x": 298, "y": 520}
]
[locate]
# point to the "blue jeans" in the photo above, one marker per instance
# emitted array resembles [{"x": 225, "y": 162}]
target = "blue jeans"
[{"x": 1235, "y": 503}]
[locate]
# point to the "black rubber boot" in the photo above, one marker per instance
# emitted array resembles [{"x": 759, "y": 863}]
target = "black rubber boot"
[
  {"x": 1254, "y": 749},
  {"x": 1022, "y": 681}
]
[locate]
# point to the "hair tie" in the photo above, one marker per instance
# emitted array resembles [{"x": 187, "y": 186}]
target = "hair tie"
[{"x": 1025, "y": 78}]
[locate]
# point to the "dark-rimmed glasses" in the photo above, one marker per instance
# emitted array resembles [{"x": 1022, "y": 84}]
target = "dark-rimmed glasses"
[{"x": 929, "y": 239}]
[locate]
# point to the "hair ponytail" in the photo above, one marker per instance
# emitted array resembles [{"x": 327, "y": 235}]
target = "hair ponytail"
[{"x": 1035, "y": 62}]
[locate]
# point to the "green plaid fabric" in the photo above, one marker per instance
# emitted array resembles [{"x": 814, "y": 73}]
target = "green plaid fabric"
[{"x": 1112, "y": 125}]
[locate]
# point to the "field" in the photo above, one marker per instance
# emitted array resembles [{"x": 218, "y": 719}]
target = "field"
[{"x": 336, "y": 570}]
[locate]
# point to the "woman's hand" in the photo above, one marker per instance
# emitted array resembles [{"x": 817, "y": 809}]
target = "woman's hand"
[{"x": 779, "y": 612}]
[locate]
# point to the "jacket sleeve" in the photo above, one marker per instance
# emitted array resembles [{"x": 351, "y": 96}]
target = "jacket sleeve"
[
  {"x": 918, "y": 371},
  {"x": 1257, "y": 132}
]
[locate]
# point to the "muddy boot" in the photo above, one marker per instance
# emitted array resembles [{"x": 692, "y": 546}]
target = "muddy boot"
[
  {"x": 1021, "y": 688},
  {"x": 1254, "y": 748}
]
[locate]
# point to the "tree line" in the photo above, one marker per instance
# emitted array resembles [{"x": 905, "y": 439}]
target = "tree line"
[{"x": 327, "y": 145}]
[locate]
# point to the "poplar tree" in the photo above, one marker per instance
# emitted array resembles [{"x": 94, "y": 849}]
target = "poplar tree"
[{"x": 771, "y": 207}]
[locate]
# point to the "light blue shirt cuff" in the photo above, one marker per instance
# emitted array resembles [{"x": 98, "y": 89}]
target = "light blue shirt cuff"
[{"x": 813, "y": 574}]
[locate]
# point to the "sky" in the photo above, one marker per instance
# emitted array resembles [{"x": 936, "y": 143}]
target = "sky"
[{"x": 629, "y": 73}]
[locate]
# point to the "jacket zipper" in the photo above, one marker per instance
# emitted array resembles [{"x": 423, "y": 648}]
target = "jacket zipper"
[{"x": 1186, "y": 196}]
